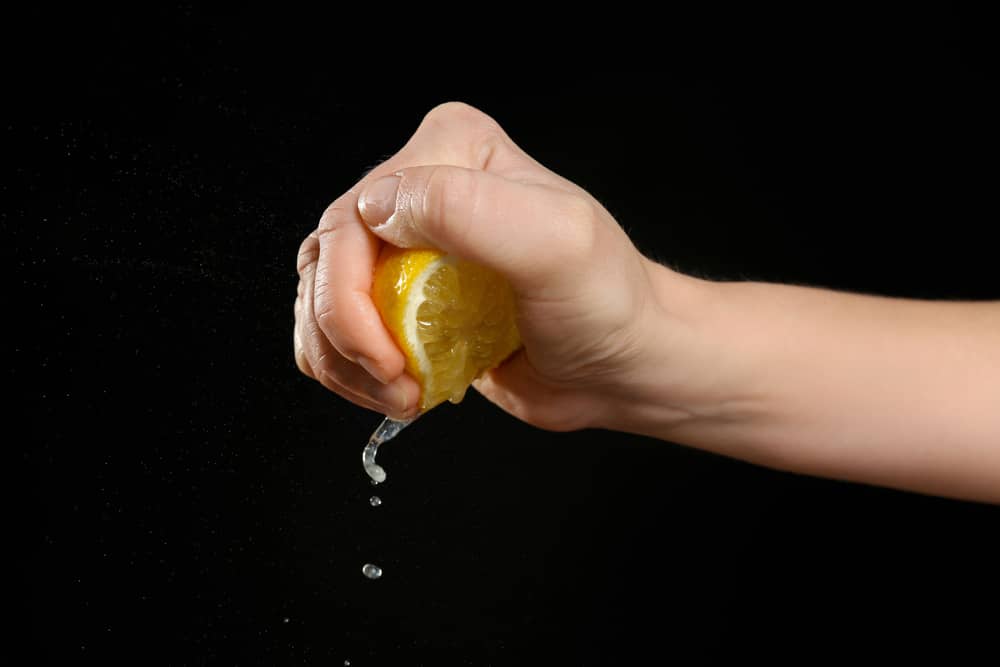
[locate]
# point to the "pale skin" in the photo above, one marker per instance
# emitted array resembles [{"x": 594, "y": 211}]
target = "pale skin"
[{"x": 892, "y": 392}]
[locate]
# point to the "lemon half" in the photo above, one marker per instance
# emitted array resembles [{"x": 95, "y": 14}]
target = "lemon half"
[{"x": 452, "y": 319}]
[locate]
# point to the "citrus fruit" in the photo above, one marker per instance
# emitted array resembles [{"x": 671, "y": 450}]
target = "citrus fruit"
[{"x": 451, "y": 318}]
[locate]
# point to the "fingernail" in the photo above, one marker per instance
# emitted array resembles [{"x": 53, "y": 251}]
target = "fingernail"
[
  {"x": 378, "y": 200},
  {"x": 370, "y": 366}
]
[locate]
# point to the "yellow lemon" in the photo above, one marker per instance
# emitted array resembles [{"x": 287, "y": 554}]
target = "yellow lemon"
[{"x": 452, "y": 319}]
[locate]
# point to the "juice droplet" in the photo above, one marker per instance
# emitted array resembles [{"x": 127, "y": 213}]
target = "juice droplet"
[
  {"x": 371, "y": 571},
  {"x": 375, "y": 501}
]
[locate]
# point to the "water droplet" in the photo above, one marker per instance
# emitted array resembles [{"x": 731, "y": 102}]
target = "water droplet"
[
  {"x": 374, "y": 482},
  {"x": 347, "y": 663},
  {"x": 375, "y": 501},
  {"x": 285, "y": 619},
  {"x": 371, "y": 571}
]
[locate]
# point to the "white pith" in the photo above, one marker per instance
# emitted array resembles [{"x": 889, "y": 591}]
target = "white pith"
[{"x": 416, "y": 298}]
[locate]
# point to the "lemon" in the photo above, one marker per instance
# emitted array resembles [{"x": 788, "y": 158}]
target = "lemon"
[{"x": 452, "y": 319}]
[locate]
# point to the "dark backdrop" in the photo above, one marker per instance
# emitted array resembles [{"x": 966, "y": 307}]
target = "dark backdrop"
[{"x": 194, "y": 500}]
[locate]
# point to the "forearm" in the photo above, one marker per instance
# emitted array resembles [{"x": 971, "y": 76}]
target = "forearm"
[{"x": 894, "y": 392}]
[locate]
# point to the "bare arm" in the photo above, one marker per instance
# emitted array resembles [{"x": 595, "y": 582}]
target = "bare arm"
[{"x": 895, "y": 392}]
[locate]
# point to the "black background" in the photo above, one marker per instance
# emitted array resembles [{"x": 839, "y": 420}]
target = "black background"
[{"x": 194, "y": 500}]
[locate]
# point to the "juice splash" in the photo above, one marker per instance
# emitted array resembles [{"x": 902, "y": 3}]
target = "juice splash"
[{"x": 387, "y": 430}]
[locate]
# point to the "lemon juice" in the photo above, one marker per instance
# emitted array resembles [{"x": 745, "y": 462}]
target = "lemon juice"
[{"x": 452, "y": 319}]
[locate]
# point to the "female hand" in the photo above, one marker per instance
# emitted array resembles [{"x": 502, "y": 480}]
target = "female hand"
[
  {"x": 886, "y": 391},
  {"x": 585, "y": 299}
]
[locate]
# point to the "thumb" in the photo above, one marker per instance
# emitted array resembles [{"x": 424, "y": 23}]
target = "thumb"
[{"x": 526, "y": 232}]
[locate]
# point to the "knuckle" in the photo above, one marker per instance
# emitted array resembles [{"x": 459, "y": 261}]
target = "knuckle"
[
  {"x": 335, "y": 214},
  {"x": 486, "y": 144},
  {"x": 443, "y": 191},
  {"x": 327, "y": 313},
  {"x": 450, "y": 113},
  {"x": 580, "y": 217},
  {"x": 308, "y": 252},
  {"x": 335, "y": 320},
  {"x": 323, "y": 303},
  {"x": 577, "y": 208},
  {"x": 313, "y": 342},
  {"x": 303, "y": 363},
  {"x": 326, "y": 367},
  {"x": 474, "y": 137},
  {"x": 433, "y": 196},
  {"x": 332, "y": 218}
]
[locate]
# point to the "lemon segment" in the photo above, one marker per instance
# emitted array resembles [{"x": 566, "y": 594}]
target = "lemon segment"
[{"x": 452, "y": 319}]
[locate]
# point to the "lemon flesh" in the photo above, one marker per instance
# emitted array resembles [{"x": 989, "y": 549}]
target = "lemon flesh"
[{"x": 452, "y": 319}]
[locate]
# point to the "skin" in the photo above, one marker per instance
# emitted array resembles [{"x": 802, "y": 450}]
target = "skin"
[{"x": 894, "y": 392}]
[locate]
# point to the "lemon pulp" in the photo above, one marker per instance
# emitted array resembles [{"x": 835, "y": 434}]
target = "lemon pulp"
[{"x": 452, "y": 319}]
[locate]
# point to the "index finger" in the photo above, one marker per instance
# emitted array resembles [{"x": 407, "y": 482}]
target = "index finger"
[{"x": 343, "y": 306}]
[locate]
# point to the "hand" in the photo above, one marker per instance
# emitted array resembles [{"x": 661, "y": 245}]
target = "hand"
[
  {"x": 585, "y": 298},
  {"x": 885, "y": 391}
]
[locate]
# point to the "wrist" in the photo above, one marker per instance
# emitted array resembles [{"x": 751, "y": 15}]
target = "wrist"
[{"x": 691, "y": 383}]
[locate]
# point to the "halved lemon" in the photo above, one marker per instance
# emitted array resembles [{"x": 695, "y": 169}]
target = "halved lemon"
[{"x": 452, "y": 319}]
